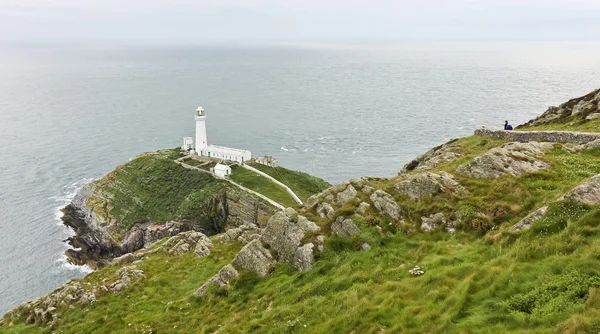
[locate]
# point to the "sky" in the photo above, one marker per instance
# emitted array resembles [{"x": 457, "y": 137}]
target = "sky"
[{"x": 297, "y": 20}]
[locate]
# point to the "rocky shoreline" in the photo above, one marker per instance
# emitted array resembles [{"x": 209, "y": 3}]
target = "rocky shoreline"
[{"x": 95, "y": 247}]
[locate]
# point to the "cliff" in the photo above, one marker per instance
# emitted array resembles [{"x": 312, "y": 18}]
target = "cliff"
[
  {"x": 153, "y": 197},
  {"x": 494, "y": 232}
]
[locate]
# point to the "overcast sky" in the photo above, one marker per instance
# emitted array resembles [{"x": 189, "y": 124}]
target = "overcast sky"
[{"x": 291, "y": 20}]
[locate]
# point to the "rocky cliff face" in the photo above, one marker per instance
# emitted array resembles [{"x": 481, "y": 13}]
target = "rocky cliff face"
[
  {"x": 101, "y": 236},
  {"x": 581, "y": 109}
]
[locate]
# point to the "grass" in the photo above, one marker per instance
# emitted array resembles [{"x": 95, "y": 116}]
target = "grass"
[
  {"x": 482, "y": 279},
  {"x": 262, "y": 185},
  {"x": 152, "y": 302},
  {"x": 303, "y": 184},
  {"x": 533, "y": 282},
  {"x": 153, "y": 188},
  {"x": 493, "y": 203},
  {"x": 575, "y": 124}
]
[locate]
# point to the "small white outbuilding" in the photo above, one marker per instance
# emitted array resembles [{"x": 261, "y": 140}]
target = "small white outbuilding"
[
  {"x": 222, "y": 170},
  {"x": 188, "y": 143}
]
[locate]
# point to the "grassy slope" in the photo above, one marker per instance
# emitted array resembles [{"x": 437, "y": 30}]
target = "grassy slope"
[
  {"x": 261, "y": 184},
  {"x": 574, "y": 125},
  {"x": 506, "y": 200},
  {"x": 543, "y": 280},
  {"x": 470, "y": 285},
  {"x": 154, "y": 188},
  {"x": 303, "y": 184}
]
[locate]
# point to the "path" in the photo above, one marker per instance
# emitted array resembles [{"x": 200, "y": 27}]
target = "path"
[
  {"x": 270, "y": 201},
  {"x": 288, "y": 189}
]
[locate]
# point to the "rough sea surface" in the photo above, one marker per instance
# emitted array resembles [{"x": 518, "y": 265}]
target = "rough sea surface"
[{"x": 72, "y": 114}]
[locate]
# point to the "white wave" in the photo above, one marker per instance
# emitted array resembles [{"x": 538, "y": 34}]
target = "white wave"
[
  {"x": 67, "y": 193},
  {"x": 285, "y": 149},
  {"x": 72, "y": 267}
]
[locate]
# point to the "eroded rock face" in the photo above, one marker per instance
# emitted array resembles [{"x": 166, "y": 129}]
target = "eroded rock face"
[
  {"x": 584, "y": 107},
  {"x": 325, "y": 210},
  {"x": 510, "y": 159},
  {"x": 340, "y": 194},
  {"x": 344, "y": 196},
  {"x": 304, "y": 257},
  {"x": 42, "y": 311},
  {"x": 433, "y": 222},
  {"x": 433, "y": 157},
  {"x": 125, "y": 277},
  {"x": 344, "y": 227},
  {"x": 526, "y": 223},
  {"x": 386, "y": 205},
  {"x": 363, "y": 207},
  {"x": 243, "y": 234},
  {"x": 187, "y": 242},
  {"x": 285, "y": 236},
  {"x": 255, "y": 257},
  {"x": 587, "y": 192},
  {"x": 428, "y": 185},
  {"x": 94, "y": 245}
]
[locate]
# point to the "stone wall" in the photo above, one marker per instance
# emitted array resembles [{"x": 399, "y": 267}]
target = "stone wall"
[{"x": 547, "y": 136}]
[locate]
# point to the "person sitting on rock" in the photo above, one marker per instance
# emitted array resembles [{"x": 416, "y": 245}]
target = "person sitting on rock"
[{"x": 507, "y": 126}]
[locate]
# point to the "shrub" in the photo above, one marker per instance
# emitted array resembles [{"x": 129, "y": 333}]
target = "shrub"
[{"x": 559, "y": 294}]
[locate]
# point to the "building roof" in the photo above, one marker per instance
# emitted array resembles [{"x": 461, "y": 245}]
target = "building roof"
[
  {"x": 222, "y": 167},
  {"x": 223, "y": 149}
]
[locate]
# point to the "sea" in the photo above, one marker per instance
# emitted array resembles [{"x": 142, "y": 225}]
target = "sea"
[{"x": 70, "y": 113}]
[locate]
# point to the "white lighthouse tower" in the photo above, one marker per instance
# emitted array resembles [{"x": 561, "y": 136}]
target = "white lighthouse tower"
[{"x": 201, "y": 141}]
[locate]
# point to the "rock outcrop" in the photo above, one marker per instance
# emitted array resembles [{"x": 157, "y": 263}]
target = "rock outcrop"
[
  {"x": 588, "y": 192},
  {"x": 510, "y": 159},
  {"x": 282, "y": 239},
  {"x": 386, "y": 205},
  {"x": 94, "y": 245},
  {"x": 125, "y": 277},
  {"x": 255, "y": 257},
  {"x": 526, "y": 223},
  {"x": 244, "y": 234},
  {"x": 433, "y": 222},
  {"x": 582, "y": 107},
  {"x": 42, "y": 311},
  {"x": 428, "y": 185},
  {"x": 344, "y": 227},
  {"x": 433, "y": 157},
  {"x": 185, "y": 242},
  {"x": 222, "y": 278},
  {"x": 285, "y": 233}
]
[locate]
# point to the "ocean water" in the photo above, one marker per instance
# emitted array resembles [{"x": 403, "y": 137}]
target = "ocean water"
[{"x": 70, "y": 114}]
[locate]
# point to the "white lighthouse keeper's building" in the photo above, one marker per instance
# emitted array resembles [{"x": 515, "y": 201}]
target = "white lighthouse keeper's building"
[{"x": 214, "y": 151}]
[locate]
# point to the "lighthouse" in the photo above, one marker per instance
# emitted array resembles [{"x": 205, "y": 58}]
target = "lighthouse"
[
  {"x": 212, "y": 151},
  {"x": 201, "y": 141}
]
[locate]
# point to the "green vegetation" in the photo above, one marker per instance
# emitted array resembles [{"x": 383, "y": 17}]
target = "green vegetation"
[
  {"x": 153, "y": 302},
  {"x": 576, "y": 124},
  {"x": 303, "y": 184},
  {"x": 153, "y": 188},
  {"x": 262, "y": 185},
  {"x": 533, "y": 282},
  {"x": 491, "y": 203},
  {"x": 482, "y": 279}
]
